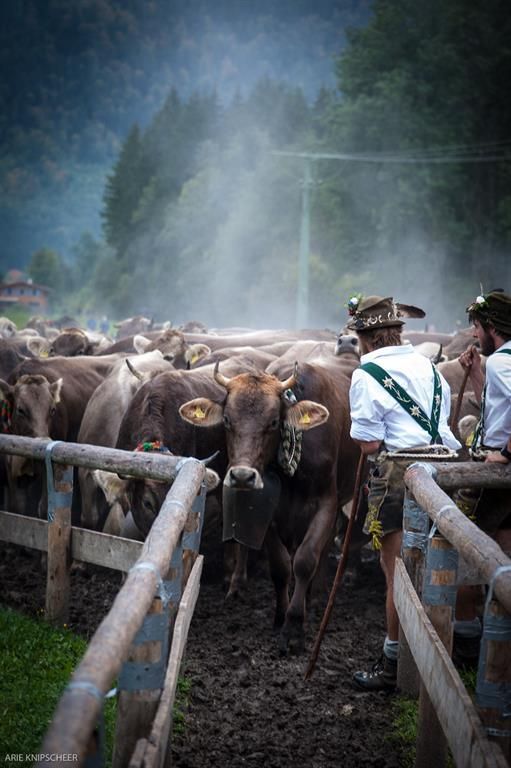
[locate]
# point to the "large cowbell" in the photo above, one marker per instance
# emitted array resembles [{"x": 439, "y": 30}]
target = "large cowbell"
[{"x": 248, "y": 513}]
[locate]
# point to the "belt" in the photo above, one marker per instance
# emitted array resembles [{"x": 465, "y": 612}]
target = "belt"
[{"x": 425, "y": 452}]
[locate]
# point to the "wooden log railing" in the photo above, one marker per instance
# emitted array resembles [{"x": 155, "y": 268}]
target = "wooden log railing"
[
  {"x": 475, "y": 737},
  {"x": 80, "y": 706}
]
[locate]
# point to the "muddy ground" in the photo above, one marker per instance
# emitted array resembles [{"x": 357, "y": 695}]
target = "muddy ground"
[{"x": 249, "y": 706}]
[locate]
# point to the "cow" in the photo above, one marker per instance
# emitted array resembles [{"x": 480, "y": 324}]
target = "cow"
[
  {"x": 170, "y": 342},
  {"x": 132, "y": 325},
  {"x": 72, "y": 342},
  {"x": 432, "y": 351},
  {"x": 152, "y": 419},
  {"x": 8, "y": 328},
  {"x": 299, "y": 522},
  {"x": 101, "y": 421},
  {"x": 37, "y": 414}
]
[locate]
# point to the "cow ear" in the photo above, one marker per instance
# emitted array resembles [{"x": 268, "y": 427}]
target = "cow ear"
[
  {"x": 56, "y": 389},
  {"x": 38, "y": 346},
  {"x": 306, "y": 414},
  {"x": 202, "y": 412},
  {"x": 196, "y": 352},
  {"x": 6, "y": 391},
  {"x": 111, "y": 485},
  {"x": 140, "y": 343}
]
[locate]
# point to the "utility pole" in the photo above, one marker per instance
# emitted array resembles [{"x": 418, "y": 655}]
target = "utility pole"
[{"x": 302, "y": 293}]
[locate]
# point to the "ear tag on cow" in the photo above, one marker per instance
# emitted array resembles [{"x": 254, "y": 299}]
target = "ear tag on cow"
[
  {"x": 305, "y": 418},
  {"x": 44, "y": 354},
  {"x": 194, "y": 359},
  {"x": 199, "y": 413}
]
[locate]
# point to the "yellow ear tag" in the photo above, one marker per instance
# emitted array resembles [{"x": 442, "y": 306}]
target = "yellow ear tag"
[
  {"x": 469, "y": 440},
  {"x": 194, "y": 359},
  {"x": 305, "y": 418},
  {"x": 44, "y": 354},
  {"x": 199, "y": 413}
]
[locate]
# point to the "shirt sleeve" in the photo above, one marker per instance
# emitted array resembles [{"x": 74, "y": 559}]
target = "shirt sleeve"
[{"x": 366, "y": 413}]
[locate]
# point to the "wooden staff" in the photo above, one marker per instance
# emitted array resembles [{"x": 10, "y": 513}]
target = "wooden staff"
[{"x": 341, "y": 567}]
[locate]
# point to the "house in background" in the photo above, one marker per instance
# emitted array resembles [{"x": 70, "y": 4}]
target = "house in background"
[{"x": 18, "y": 290}]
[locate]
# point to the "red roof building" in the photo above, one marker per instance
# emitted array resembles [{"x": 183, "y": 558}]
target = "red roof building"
[{"x": 24, "y": 294}]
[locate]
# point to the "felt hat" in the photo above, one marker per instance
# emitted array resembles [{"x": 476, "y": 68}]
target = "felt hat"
[
  {"x": 493, "y": 307},
  {"x": 378, "y": 312}
]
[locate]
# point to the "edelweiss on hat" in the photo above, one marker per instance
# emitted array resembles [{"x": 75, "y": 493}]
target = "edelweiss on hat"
[
  {"x": 493, "y": 307},
  {"x": 377, "y": 312}
]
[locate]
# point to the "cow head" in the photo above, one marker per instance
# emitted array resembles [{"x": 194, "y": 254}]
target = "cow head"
[
  {"x": 347, "y": 344},
  {"x": 71, "y": 342},
  {"x": 173, "y": 347},
  {"x": 252, "y": 413},
  {"x": 32, "y": 403}
]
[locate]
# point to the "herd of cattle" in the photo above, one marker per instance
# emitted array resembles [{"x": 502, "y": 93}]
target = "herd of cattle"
[{"x": 272, "y": 405}]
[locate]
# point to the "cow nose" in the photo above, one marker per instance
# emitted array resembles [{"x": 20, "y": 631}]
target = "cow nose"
[{"x": 242, "y": 477}]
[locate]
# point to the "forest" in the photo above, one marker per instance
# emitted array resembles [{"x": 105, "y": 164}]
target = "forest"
[{"x": 410, "y": 184}]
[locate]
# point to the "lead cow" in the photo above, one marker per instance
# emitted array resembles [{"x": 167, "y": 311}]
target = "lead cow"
[{"x": 304, "y": 505}]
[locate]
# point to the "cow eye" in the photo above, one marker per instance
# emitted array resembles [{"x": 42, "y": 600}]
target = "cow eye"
[
  {"x": 274, "y": 423},
  {"x": 21, "y": 411},
  {"x": 148, "y": 504},
  {"x": 52, "y": 410},
  {"x": 227, "y": 422}
]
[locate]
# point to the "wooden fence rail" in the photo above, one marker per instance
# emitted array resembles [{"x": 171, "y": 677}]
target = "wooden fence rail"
[
  {"x": 80, "y": 706},
  {"x": 445, "y": 708}
]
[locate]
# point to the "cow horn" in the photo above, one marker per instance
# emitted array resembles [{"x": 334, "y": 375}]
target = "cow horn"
[
  {"x": 134, "y": 371},
  {"x": 289, "y": 383},
  {"x": 219, "y": 377}
]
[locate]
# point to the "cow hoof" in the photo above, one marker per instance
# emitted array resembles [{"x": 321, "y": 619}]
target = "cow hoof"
[{"x": 292, "y": 639}]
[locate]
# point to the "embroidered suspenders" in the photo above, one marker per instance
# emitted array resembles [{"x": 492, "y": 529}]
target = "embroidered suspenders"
[
  {"x": 479, "y": 430},
  {"x": 430, "y": 424}
]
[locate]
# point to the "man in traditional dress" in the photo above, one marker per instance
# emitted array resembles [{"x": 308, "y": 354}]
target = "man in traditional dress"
[
  {"x": 399, "y": 408},
  {"x": 491, "y": 442}
]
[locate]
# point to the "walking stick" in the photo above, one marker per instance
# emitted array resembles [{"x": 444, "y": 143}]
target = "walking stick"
[
  {"x": 459, "y": 402},
  {"x": 341, "y": 567}
]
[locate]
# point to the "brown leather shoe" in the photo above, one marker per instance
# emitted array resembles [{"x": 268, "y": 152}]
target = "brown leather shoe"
[{"x": 382, "y": 677}]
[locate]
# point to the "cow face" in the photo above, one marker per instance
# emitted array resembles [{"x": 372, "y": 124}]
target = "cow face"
[
  {"x": 70, "y": 343},
  {"x": 252, "y": 414},
  {"x": 173, "y": 347},
  {"x": 33, "y": 401}
]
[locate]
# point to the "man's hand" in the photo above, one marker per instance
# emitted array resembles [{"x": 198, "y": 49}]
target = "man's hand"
[
  {"x": 495, "y": 457},
  {"x": 470, "y": 359}
]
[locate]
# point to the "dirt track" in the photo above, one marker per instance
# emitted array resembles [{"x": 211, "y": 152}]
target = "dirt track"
[{"x": 248, "y": 705}]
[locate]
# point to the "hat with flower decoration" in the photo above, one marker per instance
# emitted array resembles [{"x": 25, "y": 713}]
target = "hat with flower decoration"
[
  {"x": 377, "y": 312},
  {"x": 493, "y": 307}
]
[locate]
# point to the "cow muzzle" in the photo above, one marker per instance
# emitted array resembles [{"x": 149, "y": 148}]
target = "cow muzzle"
[
  {"x": 247, "y": 514},
  {"x": 243, "y": 478}
]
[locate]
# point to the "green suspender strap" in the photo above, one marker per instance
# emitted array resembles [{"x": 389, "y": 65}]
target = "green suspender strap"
[
  {"x": 403, "y": 398},
  {"x": 479, "y": 430}
]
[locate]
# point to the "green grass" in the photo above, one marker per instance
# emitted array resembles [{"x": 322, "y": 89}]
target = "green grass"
[
  {"x": 403, "y": 735},
  {"x": 36, "y": 663}
]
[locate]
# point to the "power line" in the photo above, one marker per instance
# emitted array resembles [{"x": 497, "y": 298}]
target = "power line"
[{"x": 389, "y": 158}]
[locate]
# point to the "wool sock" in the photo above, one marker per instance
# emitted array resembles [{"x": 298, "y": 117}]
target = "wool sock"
[{"x": 391, "y": 648}]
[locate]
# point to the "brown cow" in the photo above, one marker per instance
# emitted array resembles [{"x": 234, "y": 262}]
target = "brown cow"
[
  {"x": 171, "y": 344},
  {"x": 302, "y": 514},
  {"x": 35, "y": 416}
]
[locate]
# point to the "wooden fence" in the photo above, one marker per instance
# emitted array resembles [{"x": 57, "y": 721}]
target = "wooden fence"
[
  {"x": 477, "y": 734},
  {"x": 132, "y": 642}
]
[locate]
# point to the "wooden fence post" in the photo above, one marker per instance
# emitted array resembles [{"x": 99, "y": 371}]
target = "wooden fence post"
[
  {"x": 415, "y": 536},
  {"x": 60, "y": 493},
  {"x": 438, "y": 598},
  {"x": 493, "y": 690}
]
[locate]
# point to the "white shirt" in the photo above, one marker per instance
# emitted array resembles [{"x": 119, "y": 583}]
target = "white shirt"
[
  {"x": 497, "y": 403},
  {"x": 375, "y": 415}
]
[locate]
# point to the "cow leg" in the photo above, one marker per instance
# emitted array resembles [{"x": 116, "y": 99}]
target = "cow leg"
[
  {"x": 305, "y": 565},
  {"x": 238, "y": 578},
  {"x": 280, "y": 571}
]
